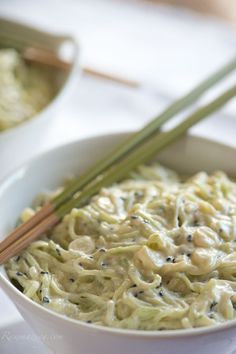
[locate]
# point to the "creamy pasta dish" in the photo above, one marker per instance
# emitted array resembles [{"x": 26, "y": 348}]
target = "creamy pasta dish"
[
  {"x": 153, "y": 252},
  {"x": 24, "y": 89}
]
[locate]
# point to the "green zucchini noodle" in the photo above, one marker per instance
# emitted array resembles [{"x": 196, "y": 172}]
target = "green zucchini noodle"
[{"x": 153, "y": 252}]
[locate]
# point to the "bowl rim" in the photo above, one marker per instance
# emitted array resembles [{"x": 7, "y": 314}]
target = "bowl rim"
[
  {"x": 75, "y": 68},
  {"x": 165, "y": 334}
]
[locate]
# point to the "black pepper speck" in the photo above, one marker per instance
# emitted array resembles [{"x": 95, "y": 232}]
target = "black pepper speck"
[
  {"x": 19, "y": 274},
  {"x": 179, "y": 221},
  {"x": 213, "y": 304},
  {"x": 46, "y": 300},
  {"x": 189, "y": 238},
  {"x": 134, "y": 217}
]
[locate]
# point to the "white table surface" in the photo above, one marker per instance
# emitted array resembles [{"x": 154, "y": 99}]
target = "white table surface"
[{"x": 167, "y": 50}]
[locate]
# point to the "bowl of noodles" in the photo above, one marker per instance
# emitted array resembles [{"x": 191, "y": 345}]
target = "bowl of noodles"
[
  {"x": 30, "y": 92},
  {"x": 147, "y": 266}
]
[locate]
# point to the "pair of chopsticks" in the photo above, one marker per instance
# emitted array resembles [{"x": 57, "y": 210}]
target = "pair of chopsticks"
[{"x": 137, "y": 149}]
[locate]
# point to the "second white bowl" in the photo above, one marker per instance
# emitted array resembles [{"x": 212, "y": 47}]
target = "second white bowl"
[
  {"x": 21, "y": 142},
  {"x": 64, "y": 335}
]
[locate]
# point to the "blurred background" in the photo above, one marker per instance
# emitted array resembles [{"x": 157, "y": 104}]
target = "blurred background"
[
  {"x": 220, "y": 8},
  {"x": 165, "y": 47}
]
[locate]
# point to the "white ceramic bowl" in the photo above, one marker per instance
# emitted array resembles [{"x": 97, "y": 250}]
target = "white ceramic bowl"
[
  {"x": 64, "y": 335},
  {"x": 27, "y": 137}
]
